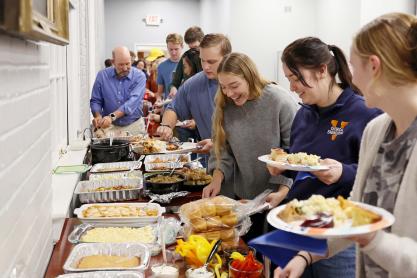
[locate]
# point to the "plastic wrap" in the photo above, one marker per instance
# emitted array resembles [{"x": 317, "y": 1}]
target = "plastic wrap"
[
  {"x": 165, "y": 198},
  {"x": 165, "y": 162},
  {"x": 116, "y": 175},
  {"x": 220, "y": 218},
  {"x": 128, "y": 250}
]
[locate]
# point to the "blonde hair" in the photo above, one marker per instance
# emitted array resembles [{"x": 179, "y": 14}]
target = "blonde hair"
[
  {"x": 393, "y": 38},
  {"x": 174, "y": 38},
  {"x": 240, "y": 65}
]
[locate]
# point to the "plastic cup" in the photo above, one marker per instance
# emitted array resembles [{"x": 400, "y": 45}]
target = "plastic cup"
[{"x": 235, "y": 273}]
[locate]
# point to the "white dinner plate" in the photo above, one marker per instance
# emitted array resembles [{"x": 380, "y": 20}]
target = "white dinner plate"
[
  {"x": 339, "y": 232},
  {"x": 295, "y": 167}
]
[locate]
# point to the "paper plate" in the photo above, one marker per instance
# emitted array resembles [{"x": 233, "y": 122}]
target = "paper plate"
[
  {"x": 295, "y": 167},
  {"x": 339, "y": 232}
]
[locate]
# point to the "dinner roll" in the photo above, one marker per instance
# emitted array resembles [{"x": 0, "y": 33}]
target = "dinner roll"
[
  {"x": 229, "y": 220},
  {"x": 198, "y": 224}
]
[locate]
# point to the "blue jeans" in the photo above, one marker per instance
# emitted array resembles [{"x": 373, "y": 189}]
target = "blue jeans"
[{"x": 341, "y": 265}]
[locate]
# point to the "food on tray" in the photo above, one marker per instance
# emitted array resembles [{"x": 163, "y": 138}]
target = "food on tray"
[
  {"x": 112, "y": 169},
  {"x": 107, "y": 261},
  {"x": 300, "y": 158},
  {"x": 120, "y": 234},
  {"x": 172, "y": 147},
  {"x": 320, "y": 212},
  {"x": 196, "y": 176},
  {"x": 165, "y": 179},
  {"x": 161, "y": 159},
  {"x": 118, "y": 211},
  {"x": 152, "y": 146},
  {"x": 108, "y": 188}
]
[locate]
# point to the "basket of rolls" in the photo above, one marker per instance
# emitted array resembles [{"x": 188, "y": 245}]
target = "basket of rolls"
[{"x": 215, "y": 218}]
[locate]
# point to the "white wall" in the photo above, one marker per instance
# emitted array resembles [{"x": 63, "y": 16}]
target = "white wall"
[
  {"x": 124, "y": 25},
  {"x": 25, "y": 151},
  {"x": 33, "y": 104},
  {"x": 215, "y": 16},
  {"x": 262, "y": 30},
  {"x": 371, "y": 8}
]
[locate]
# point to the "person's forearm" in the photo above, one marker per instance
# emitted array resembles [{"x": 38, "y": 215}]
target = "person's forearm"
[
  {"x": 218, "y": 176},
  {"x": 97, "y": 114},
  {"x": 118, "y": 114},
  {"x": 160, "y": 92},
  {"x": 169, "y": 119}
]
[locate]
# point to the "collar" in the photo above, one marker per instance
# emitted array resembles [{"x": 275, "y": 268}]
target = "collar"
[
  {"x": 340, "y": 102},
  {"x": 114, "y": 74}
]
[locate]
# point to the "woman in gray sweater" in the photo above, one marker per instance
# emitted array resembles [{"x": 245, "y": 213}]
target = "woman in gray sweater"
[{"x": 252, "y": 115}]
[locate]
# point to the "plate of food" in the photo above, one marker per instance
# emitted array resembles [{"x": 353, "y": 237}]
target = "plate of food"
[
  {"x": 321, "y": 217},
  {"x": 156, "y": 146},
  {"x": 300, "y": 161}
]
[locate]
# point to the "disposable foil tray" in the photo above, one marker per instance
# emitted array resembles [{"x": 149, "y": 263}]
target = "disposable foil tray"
[{"x": 87, "y": 190}]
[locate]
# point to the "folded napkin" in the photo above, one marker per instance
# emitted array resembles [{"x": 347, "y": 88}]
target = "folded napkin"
[
  {"x": 71, "y": 169},
  {"x": 281, "y": 246}
]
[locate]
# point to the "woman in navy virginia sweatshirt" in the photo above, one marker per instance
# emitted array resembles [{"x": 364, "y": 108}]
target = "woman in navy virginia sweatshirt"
[{"x": 329, "y": 123}]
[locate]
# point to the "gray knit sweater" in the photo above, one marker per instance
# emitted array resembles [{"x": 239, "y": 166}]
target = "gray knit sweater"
[{"x": 251, "y": 131}]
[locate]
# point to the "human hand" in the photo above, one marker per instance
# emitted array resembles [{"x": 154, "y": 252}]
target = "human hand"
[
  {"x": 294, "y": 268},
  {"x": 165, "y": 132},
  {"x": 211, "y": 190},
  {"x": 274, "y": 171},
  {"x": 275, "y": 198},
  {"x": 158, "y": 103},
  {"x": 97, "y": 121},
  {"x": 333, "y": 174},
  {"x": 155, "y": 117},
  {"x": 204, "y": 146},
  {"x": 105, "y": 122},
  {"x": 190, "y": 124},
  {"x": 172, "y": 92},
  {"x": 364, "y": 239}
]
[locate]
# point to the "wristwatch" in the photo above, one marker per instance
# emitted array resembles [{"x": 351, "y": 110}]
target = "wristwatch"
[{"x": 113, "y": 117}]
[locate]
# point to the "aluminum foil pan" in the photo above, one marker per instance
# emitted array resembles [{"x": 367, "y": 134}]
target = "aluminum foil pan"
[
  {"x": 116, "y": 175},
  {"x": 163, "y": 162},
  {"x": 76, "y": 235},
  {"x": 116, "y": 167},
  {"x": 114, "y": 249},
  {"x": 104, "y": 274},
  {"x": 121, "y": 221},
  {"x": 86, "y": 190}
]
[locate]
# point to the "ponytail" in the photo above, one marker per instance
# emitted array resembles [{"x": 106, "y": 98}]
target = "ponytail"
[{"x": 342, "y": 69}]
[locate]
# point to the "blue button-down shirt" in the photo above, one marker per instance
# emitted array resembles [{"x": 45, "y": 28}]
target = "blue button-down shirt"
[
  {"x": 126, "y": 94},
  {"x": 195, "y": 99}
]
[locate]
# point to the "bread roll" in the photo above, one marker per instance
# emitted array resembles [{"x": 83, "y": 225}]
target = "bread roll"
[
  {"x": 106, "y": 261},
  {"x": 212, "y": 235},
  {"x": 199, "y": 224},
  {"x": 192, "y": 211},
  {"x": 279, "y": 155},
  {"x": 214, "y": 222},
  {"x": 223, "y": 205},
  {"x": 229, "y": 220},
  {"x": 227, "y": 234},
  {"x": 208, "y": 208}
]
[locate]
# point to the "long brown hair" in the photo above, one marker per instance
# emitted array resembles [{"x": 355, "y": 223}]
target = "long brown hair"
[
  {"x": 311, "y": 53},
  {"x": 393, "y": 38},
  {"x": 240, "y": 65}
]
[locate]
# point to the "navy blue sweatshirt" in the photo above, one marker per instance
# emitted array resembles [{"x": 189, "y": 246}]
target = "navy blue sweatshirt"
[{"x": 334, "y": 133}]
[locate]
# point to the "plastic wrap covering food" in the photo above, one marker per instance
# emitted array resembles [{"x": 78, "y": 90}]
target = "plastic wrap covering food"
[
  {"x": 113, "y": 190},
  {"x": 164, "y": 162},
  {"x": 108, "y": 256},
  {"x": 165, "y": 198},
  {"x": 104, "y": 274},
  {"x": 214, "y": 218},
  {"x": 116, "y": 166}
]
